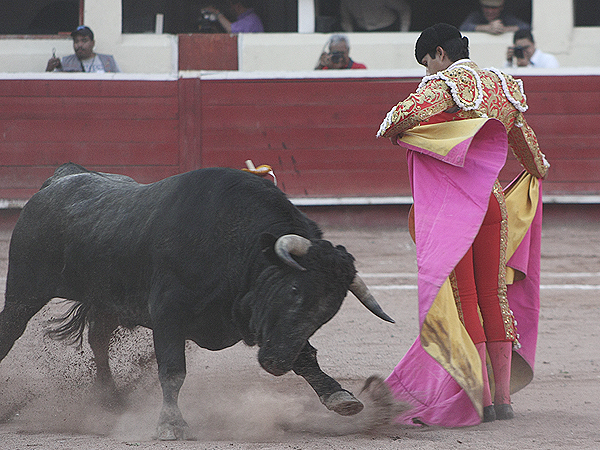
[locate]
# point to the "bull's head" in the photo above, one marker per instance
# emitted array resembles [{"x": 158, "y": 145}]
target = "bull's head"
[
  {"x": 292, "y": 244},
  {"x": 294, "y": 298}
]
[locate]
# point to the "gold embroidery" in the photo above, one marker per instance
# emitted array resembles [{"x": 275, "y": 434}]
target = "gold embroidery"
[
  {"x": 456, "y": 294},
  {"x": 514, "y": 89},
  {"x": 467, "y": 86},
  {"x": 507, "y": 315},
  {"x": 525, "y": 147},
  {"x": 417, "y": 108}
]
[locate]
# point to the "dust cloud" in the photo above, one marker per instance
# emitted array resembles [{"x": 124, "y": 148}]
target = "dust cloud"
[{"x": 48, "y": 385}]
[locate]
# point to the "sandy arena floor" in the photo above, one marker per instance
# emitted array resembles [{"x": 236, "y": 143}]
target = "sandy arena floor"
[{"x": 231, "y": 403}]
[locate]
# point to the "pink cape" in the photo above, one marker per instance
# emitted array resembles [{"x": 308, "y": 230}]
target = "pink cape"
[{"x": 451, "y": 192}]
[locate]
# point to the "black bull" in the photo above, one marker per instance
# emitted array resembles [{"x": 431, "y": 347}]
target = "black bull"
[{"x": 214, "y": 255}]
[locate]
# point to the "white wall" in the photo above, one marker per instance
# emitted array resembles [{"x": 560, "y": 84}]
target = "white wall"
[
  {"x": 157, "y": 53},
  {"x": 135, "y": 53},
  {"x": 378, "y": 51}
]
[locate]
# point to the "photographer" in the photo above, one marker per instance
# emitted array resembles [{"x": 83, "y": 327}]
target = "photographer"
[
  {"x": 336, "y": 55},
  {"x": 526, "y": 54},
  {"x": 246, "y": 20}
]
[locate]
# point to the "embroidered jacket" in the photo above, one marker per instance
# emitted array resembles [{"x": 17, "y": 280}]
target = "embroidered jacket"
[{"x": 465, "y": 91}]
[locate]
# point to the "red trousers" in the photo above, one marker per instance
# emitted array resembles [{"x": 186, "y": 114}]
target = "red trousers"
[{"x": 478, "y": 280}]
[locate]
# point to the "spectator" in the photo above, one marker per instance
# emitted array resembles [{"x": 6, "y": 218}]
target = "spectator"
[
  {"x": 526, "y": 53},
  {"x": 375, "y": 15},
  {"x": 247, "y": 21},
  {"x": 491, "y": 18},
  {"x": 336, "y": 55},
  {"x": 84, "y": 59}
]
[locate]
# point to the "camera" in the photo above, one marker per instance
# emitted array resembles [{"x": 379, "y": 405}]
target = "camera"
[
  {"x": 518, "y": 51},
  {"x": 336, "y": 57},
  {"x": 208, "y": 22},
  {"x": 208, "y": 16}
]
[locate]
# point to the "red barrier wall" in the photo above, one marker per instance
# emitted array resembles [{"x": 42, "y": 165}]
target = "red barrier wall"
[
  {"x": 564, "y": 111},
  {"x": 317, "y": 134},
  {"x": 128, "y": 127},
  {"x": 207, "y": 51}
]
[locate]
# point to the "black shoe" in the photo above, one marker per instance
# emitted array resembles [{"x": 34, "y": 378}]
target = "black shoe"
[
  {"x": 504, "y": 412},
  {"x": 489, "y": 413}
]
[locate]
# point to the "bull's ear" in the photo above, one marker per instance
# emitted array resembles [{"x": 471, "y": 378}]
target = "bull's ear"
[{"x": 267, "y": 246}]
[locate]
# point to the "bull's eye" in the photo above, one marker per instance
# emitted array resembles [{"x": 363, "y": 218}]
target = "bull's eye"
[{"x": 295, "y": 293}]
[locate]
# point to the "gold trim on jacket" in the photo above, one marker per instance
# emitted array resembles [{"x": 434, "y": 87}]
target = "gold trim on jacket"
[{"x": 466, "y": 91}]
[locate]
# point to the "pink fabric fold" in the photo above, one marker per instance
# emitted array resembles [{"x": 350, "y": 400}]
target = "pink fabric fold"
[
  {"x": 450, "y": 203},
  {"x": 436, "y": 398}
]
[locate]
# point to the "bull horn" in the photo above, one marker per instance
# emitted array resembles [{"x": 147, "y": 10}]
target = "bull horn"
[
  {"x": 362, "y": 293},
  {"x": 292, "y": 244}
]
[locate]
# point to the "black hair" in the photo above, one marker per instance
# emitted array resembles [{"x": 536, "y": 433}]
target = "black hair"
[
  {"x": 442, "y": 35},
  {"x": 456, "y": 48},
  {"x": 523, "y": 33}
]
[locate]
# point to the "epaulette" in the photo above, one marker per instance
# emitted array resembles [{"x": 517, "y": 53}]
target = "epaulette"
[{"x": 464, "y": 83}]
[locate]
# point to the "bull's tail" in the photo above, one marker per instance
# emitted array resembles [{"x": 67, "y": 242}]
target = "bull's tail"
[{"x": 73, "y": 324}]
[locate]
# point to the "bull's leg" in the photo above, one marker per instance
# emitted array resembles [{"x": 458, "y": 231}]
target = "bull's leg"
[
  {"x": 170, "y": 355},
  {"x": 330, "y": 392},
  {"x": 14, "y": 318},
  {"x": 168, "y": 319},
  {"x": 101, "y": 327}
]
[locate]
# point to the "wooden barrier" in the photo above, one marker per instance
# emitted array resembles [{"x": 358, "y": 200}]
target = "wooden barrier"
[
  {"x": 318, "y": 134},
  {"x": 129, "y": 127}
]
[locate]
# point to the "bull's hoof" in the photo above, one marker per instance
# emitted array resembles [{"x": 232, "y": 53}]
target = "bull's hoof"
[
  {"x": 171, "y": 425},
  {"x": 343, "y": 403},
  {"x": 170, "y": 432}
]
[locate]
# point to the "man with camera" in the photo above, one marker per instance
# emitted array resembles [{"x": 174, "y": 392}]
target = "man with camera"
[
  {"x": 246, "y": 20},
  {"x": 336, "y": 55},
  {"x": 526, "y": 54}
]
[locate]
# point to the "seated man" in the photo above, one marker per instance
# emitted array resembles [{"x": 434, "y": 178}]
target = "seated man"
[
  {"x": 336, "y": 55},
  {"x": 84, "y": 59},
  {"x": 491, "y": 18},
  {"x": 526, "y": 53}
]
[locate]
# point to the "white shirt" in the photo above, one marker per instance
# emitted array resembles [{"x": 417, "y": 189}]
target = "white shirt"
[
  {"x": 539, "y": 60},
  {"x": 92, "y": 64},
  {"x": 543, "y": 60}
]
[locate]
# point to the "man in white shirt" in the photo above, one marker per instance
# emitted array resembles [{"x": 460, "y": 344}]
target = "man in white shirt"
[{"x": 526, "y": 54}]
